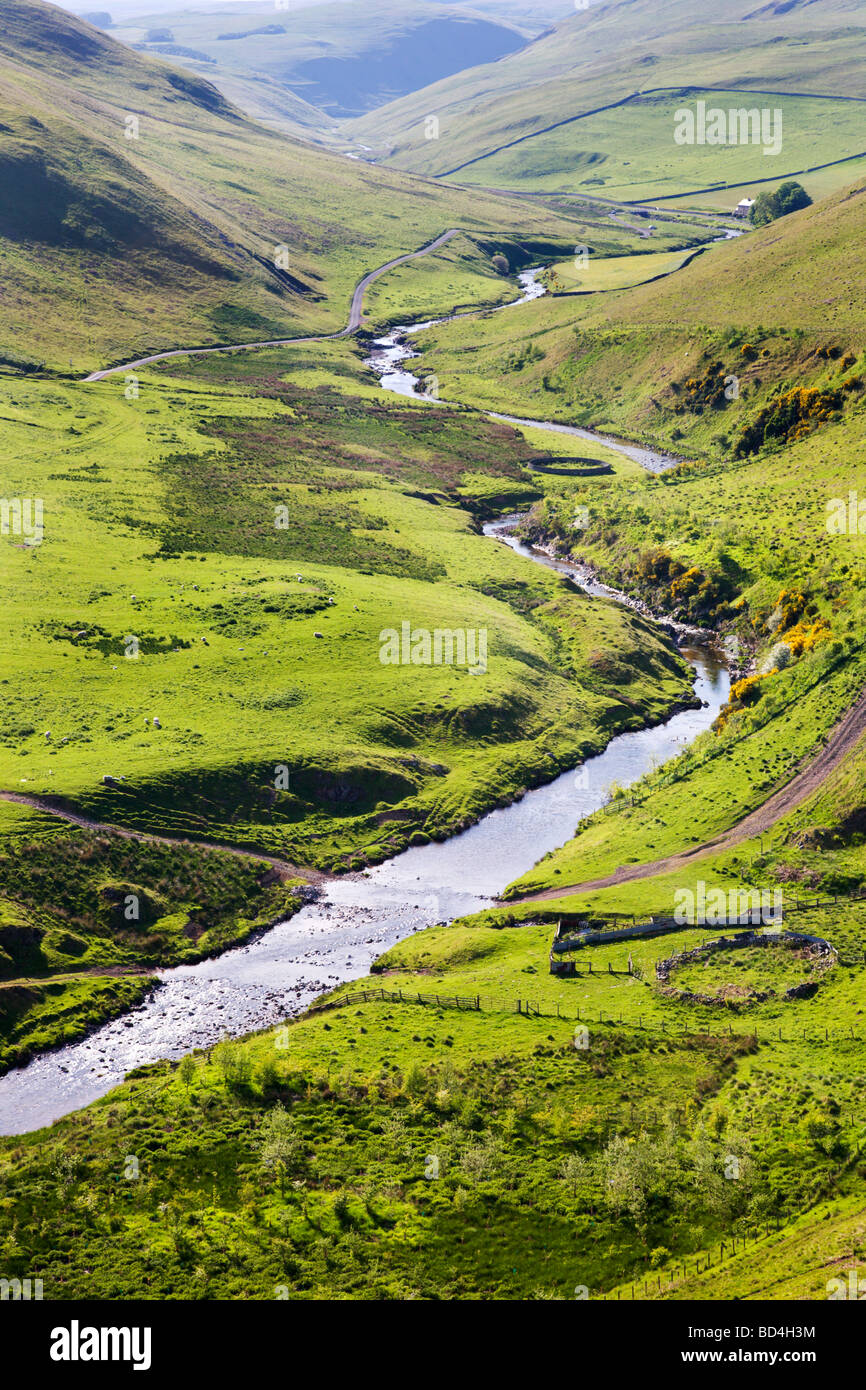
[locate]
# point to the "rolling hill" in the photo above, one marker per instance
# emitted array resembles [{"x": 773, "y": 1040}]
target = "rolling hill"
[
  {"x": 192, "y": 677},
  {"x": 526, "y": 121},
  {"x": 142, "y": 210}
]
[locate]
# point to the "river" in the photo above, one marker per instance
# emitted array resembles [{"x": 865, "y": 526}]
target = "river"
[
  {"x": 337, "y": 937},
  {"x": 393, "y": 349}
]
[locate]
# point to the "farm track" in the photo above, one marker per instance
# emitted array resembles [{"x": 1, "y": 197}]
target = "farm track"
[
  {"x": 285, "y": 869},
  {"x": 842, "y": 741}
]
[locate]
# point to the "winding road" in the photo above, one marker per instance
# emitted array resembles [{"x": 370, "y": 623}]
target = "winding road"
[{"x": 355, "y": 311}]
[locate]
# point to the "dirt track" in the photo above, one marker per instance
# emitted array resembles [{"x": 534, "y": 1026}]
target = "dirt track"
[
  {"x": 285, "y": 869},
  {"x": 842, "y": 740}
]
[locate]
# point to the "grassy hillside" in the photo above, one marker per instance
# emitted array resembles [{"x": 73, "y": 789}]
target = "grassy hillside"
[
  {"x": 597, "y": 154},
  {"x": 204, "y": 227},
  {"x": 238, "y": 620},
  {"x": 774, "y": 316},
  {"x": 771, "y": 308},
  {"x": 606, "y": 55},
  {"x": 394, "y": 1150}
]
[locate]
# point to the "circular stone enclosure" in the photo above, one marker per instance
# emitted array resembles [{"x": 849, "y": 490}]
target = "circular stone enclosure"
[{"x": 747, "y": 968}]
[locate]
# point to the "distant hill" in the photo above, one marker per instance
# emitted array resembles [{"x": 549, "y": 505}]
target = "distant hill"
[
  {"x": 339, "y": 59},
  {"x": 605, "y": 55}
]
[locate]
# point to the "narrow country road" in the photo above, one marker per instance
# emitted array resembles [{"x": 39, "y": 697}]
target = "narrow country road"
[
  {"x": 285, "y": 869},
  {"x": 842, "y": 740},
  {"x": 355, "y": 312}
]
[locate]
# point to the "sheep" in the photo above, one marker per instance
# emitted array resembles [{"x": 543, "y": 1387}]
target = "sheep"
[
  {"x": 156, "y": 723},
  {"x": 318, "y": 634}
]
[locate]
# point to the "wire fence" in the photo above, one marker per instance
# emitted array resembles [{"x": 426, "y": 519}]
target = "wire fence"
[
  {"x": 529, "y": 1008},
  {"x": 654, "y": 1283}
]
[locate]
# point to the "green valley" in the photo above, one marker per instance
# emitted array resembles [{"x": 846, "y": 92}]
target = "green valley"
[{"x": 405, "y": 732}]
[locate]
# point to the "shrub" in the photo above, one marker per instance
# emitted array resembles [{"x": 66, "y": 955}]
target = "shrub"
[{"x": 788, "y": 417}]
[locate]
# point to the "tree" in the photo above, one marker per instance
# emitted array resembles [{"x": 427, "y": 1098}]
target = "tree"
[
  {"x": 576, "y": 1172},
  {"x": 281, "y": 1149},
  {"x": 186, "y": 1070},
  {"x": 234, "y": 1064},
  {"x": 788, "y": 197}
]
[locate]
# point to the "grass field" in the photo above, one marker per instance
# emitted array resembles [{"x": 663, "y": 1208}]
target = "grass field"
[
  {"x": 820, "y": 183},
  {"x": 598, "y": 153},
  {"x": 208, "y": 587},
  {"x": 613, "y": 53},
  {"x": 588, "y": 274},
  {"x": 416, "y": 1142}
]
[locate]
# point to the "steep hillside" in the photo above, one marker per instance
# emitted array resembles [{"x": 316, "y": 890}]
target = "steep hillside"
[{"x": 762, "y": 304}]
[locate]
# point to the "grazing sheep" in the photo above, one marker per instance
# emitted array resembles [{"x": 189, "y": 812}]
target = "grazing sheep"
[
  {"x": 47, "y": 733},
  {"x": 318, "y": 634},
  {"x": 156, "y": 723}
]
